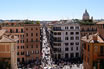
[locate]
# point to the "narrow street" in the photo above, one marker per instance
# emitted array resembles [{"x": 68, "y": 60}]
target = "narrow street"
[
  {"x": 46, "y": 56},
  {"x": 47, "y": 62}
]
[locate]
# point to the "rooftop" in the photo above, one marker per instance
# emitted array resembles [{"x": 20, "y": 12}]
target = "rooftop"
[
  {"x": 67, "y": 22},
  {"x": 2, "y": 32},
  {"x": 90, "y": 38},
  {"x": 4, "y": 38},
  {"x": 102, "y": 22}
]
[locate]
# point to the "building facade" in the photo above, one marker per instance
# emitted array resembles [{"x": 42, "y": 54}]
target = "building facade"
[
  {"x": 8, "y": 51},
  {"x": 93, "y": 49},
  {"x": 20, "y": 29},
  {"x": 66, "y": 40},
  {"x": 88, "y": 29},
  {"x": 32, "y": 42}
]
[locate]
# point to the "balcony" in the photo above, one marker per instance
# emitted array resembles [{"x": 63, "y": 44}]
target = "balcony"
[
  {"x": 57, "y": 29},
  {"x": 27, "y": 55},
  {"x": 57, "y": 40},
  {"x": 57, "y": 50}
]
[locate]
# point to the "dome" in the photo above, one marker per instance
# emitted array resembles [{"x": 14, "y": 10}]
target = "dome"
[{"x": 86, "y": 13}]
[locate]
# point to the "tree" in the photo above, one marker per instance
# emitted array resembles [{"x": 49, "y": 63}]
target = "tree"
[
  {"x": 37, "y": 22},
  {"x": 29, "y": 22}
]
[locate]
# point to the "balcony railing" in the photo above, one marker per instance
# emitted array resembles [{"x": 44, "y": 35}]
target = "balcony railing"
[
  {"x": 27, "y": 55},
  {"x": 57, "y": 40},
  {"x": 57, "y": 29}
]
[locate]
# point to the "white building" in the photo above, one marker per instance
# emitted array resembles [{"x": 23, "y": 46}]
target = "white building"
[{"x": 66, "y": 40}]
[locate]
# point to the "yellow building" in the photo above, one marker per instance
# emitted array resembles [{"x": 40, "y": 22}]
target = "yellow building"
[
  {"x": 8, "y": 51},
  {"x": 93, "y": 49}
]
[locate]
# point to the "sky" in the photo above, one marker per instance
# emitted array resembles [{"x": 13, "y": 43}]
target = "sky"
[{"x": 50, "y": 9}]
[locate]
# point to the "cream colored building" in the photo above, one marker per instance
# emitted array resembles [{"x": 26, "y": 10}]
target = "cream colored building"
[{"x": 8, "y": 49}]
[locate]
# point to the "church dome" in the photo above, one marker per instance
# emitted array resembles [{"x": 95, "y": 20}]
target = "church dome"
[{"x": 86, "y": 15}]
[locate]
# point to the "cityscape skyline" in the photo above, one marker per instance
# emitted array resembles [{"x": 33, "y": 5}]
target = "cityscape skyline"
[{"x": 50, "y": 10}]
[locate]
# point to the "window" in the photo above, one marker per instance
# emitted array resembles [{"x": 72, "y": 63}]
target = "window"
[
  {"x": 71, "y": 38},
  {"x": 71, "y": 48},
  {"x": 36, "y": 34},
  {"x": 22, "y": 35},
  {"x": 18, "y": 41},
  {"x": 22, "y": 59},
  {"x": 36, "y": 52},
  {"x": 66, "y": 55},
  {"x": 59, "y": 33},
  {"x": 77, "y": 33},
  {"x": 57, "y": 44},
  {"x": 77, "y": 27},
  {"x": 16, "y": 30},
  {"x": 71, "y": 55},
  {"x": 11, "y": 31},
  {"x": 32, "y": 52},
  {"x": 88, "y": 29},
  {"x": 26, "y": 46},
  {"x": 66, "y": 49},
  {"x": 17, "y": 53},
  {"x": 26, "y": 29},
  {"x": 22, "y": 53},
  {"x": 21, "y": 30},
  {"x": 36, "y": 28},
  {"x": 71, "y": 33},
  {"x": 66, "y": 33},
  {"x": 66, "y": 38},
  {"x": 21, "y": 41},
  {"x": 77, "y": 43},
  {"x": 36, "y": 45},
  {"x": 71, "y": 43},
  {"x": 55, "y": 33},
  {"x": 26, "y": 40},
  {"x": 77, "y": 54},
  {"x": 36, "y": 39},
  {"x": 71, "y": 27},
  {"x": 32, "y": 40},
  {"x": 18, "y": 59},
  {"x": 66, "y": 44},
  {"x": 66, "y": 27},
  {"x": 57, "y": 39},
  {"x": 17, "y": 47},
  {"x": 31, "y": 28},
  {"x": 31, "y": 46},
  {"x": 77, "y": 38},
  {"x": 31, "y": 34},
  {"x": 77, "y": 48},
  {"x": 23, "y": 47}
]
